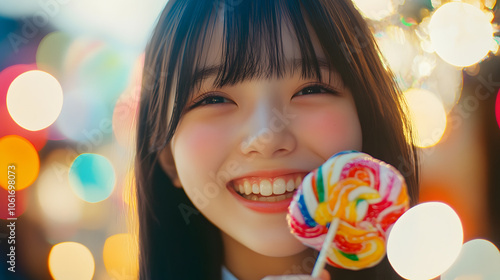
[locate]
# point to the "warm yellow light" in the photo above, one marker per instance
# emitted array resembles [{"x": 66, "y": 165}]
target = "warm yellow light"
[
  {"x": 490, "y": 4},
  {"x": 375, "y": 9},
  {"x": 460, "y": 33},
  {"x": 128, "y": 191},
  {"x": 71, "y": 261},
  {"x": 397, "y": 48},
  {"x": 58, "y": 203},
  {"x": 120, "y": 256},
  {"x": 425, "y": 241},
  {"x": 427, "y": 116},
  {"x": 20, "y": 162},
  {"x": 34, "y": 100}
]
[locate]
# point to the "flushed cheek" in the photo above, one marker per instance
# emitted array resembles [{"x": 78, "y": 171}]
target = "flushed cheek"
[
  {"x": 329, "y": 131},
  {"x": 200, "y": 148}
]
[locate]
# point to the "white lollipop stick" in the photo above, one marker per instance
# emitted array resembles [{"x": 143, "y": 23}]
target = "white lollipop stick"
[{"x": 320, "y": 261}]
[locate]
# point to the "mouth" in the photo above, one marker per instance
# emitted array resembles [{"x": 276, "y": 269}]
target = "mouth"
[
  {"x": 268, "y": 189},
  {"x": 266, "y": 194}
]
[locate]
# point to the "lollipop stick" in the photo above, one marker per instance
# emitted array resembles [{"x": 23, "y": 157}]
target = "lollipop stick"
[{"x": 320, "y": 261}]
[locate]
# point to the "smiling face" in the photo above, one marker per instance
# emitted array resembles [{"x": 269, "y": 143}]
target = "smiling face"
[{"x": 241, "y": 150}]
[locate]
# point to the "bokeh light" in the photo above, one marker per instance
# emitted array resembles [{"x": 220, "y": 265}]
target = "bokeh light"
[
  {"x": 18, "y": 152},
  {"x": 120, "y": 255},
  {"x": 460, "y": 33},
  {"x": 34, "y": 100},
  {"x": 425, "y": 241},
  {"x": 57, "y": 201},
  {"x": 92, "y": 177},
  {"x": 375, "y": 9},
  {"x": 51, "y": 53},
  {"x": 397, "y": 47},
  {"x": 128, "y": 191},
  {"x": 71, "y": 261},
  {"x": 19, "y": 8},
  {"x": 490, "y": 3},
  {"x": 126, "y": 108},
  {"x": 9, "y": 126},
  {"x": 446, "y": 81},
  {"x": 128, "y": 23},
  {"x": 104, "y": 62},
  {"x": 83, "y": 119},
  {"x": 427, "y": 116},
  {"x": 478, "y": 259},
  {"x": 8, "y": 75}
]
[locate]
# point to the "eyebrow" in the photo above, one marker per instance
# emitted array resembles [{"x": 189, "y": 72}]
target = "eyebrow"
[{"x": 212, "y": 71}]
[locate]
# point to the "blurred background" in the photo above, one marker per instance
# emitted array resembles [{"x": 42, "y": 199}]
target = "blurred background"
[{"x": 70, "y": 78}]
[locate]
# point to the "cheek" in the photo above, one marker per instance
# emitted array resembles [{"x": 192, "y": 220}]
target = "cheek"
[
  {"x": 197, "y": 148},
  {"x": 331, "y": 130}
]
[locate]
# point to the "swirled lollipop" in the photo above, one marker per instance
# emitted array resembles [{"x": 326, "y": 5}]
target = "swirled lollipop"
[{"x": 358, "y": 198}]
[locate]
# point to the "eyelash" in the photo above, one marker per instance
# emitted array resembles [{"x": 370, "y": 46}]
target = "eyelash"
[
  {"x": 325, "y": 89},
  {"x": 207, "y": 96}
]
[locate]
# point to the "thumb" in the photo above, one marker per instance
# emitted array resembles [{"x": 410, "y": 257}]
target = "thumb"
[{"x": 325, "y": 275}]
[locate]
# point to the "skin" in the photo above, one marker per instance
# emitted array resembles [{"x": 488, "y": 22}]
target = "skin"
[{"x": 238, "y": 131}]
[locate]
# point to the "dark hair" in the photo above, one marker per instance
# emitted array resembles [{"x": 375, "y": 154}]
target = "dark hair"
[{"x": 174, "y": 248}]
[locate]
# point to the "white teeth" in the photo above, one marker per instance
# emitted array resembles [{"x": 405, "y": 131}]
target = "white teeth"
[
  {"x": 298, "y": 180},
  {"x": 247, "y": 187},
  {"x": 255, "y": 189},
  {"x": 279, "y": 186},
  {"x": 266, "y": 188},
  {"x": 290, "y": 185}
]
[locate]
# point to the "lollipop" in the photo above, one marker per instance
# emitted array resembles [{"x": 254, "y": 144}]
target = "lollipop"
[{"x": 354, "y": 198}]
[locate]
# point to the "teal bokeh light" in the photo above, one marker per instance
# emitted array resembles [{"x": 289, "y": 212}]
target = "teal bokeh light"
[{"x": 92, "y": 177}]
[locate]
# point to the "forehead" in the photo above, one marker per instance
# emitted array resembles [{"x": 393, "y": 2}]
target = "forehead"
[{"x": 259, "y": 49}]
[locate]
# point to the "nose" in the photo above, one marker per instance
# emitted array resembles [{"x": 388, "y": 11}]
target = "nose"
[{"x": 267, "y": 133}]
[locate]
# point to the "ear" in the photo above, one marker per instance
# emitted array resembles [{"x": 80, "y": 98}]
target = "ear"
[{"x": 167, "y": 163}]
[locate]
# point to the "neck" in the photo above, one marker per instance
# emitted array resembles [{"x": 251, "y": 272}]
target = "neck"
[{"x": 246, "y": 264}]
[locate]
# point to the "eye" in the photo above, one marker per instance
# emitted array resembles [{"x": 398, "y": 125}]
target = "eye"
[
  {"x": 315, "y": 89},
  {"x": 210, "y": 99}
]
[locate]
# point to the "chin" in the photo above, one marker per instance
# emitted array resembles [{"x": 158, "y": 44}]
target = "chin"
[{"x": 284, "y": 248}]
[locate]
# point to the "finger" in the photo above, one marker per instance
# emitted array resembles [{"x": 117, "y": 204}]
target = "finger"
[
  {"x": 290, "y": 277},
  {"x": 325, "y": 275}
]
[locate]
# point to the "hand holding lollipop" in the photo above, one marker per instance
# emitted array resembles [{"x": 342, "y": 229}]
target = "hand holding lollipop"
[{"x": 346, "y": 206}]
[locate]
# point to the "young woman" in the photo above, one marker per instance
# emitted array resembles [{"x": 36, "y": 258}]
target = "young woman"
[{"x": 250, "y": 93}]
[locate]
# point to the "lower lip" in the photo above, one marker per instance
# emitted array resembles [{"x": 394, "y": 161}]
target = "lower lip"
[{"x": 262, "y": 206}]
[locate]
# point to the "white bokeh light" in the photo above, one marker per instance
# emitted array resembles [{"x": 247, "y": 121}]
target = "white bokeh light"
[
  {"x": 34, "y": 100},
  {"x": 375, "y": 9},
  {"x": 128, "y": 22},
  {"x": 460, "y": 33},
  {"x": 425, "y": 241},
  {"x": 427, "y": 116},
  {"x": 478, "y": 259}
]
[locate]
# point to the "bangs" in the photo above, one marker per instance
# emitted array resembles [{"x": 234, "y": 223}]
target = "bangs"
[{"x": 251, "y": 43}]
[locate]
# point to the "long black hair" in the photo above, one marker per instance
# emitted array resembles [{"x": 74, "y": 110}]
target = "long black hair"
[{"x": 172, "y": 247}]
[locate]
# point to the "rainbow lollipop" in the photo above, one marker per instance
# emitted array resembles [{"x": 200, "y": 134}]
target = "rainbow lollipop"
[{"x": 346, "y": 206}]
